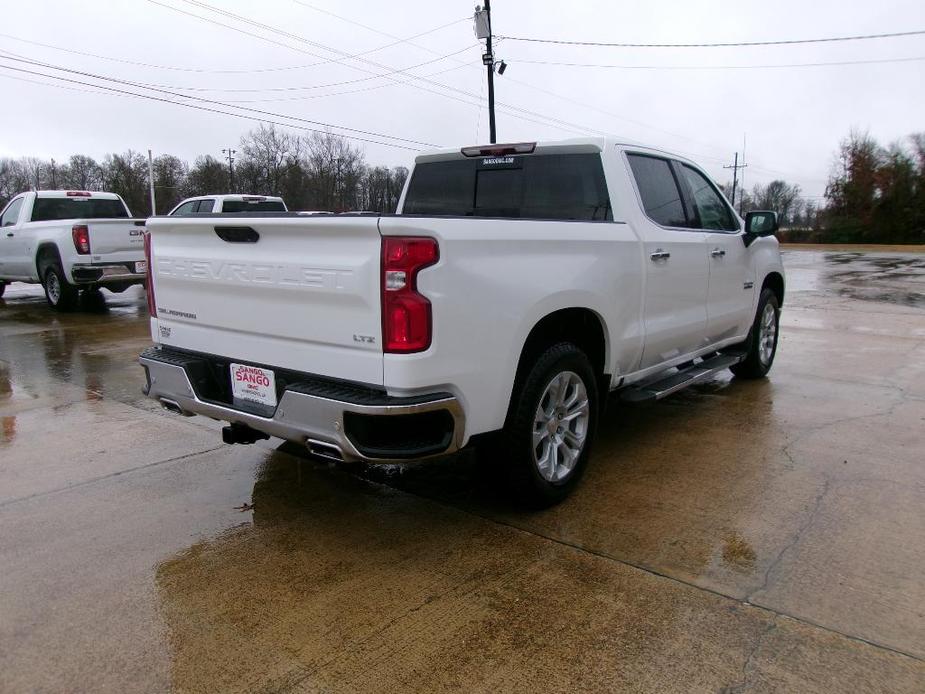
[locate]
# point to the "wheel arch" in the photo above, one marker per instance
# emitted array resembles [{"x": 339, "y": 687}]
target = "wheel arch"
[
  {"x": 775, "y": 282},
  {"x": 45, "y": 250},
  {"x": 581, "y": 326}
]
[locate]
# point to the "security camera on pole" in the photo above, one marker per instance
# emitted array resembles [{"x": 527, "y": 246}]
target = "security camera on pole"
[{"x": 482, "y": 20}]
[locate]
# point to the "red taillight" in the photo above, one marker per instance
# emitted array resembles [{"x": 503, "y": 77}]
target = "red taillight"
[
  {"x": 81, "y": 236},
  {"x": 406, "y": 318},
  {"x": 152, "y": 304}
]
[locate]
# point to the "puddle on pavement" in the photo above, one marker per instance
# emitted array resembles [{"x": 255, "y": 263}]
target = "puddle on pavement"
[{"x": 875, "y": 277}]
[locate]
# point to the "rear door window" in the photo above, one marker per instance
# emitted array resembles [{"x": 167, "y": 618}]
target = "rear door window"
[
  {"x": 205, "y": 206},
  {"x": 661, "y": 197},
  {"x": 539, "y": 186}
]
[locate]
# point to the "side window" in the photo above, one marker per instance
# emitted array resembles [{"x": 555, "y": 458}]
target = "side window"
[
  {"x": 205, "y": 206},
  {"x": 661, "y": 197},
  {"x": 11, "y": 213},
  {"x": 708, "y": 204},
  {"x": 186, "y": 207}
]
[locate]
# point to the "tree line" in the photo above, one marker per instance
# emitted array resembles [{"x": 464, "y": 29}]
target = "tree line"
[
  {"x": 875, "y": 194},
  {"x": 316, "y": 172}
]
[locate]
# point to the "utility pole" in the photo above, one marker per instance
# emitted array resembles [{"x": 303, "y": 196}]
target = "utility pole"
[
  {"x": 229, "y": 156},
  {"x": 735, "y": 166},
  {"x": 151, "y": 182},
  {"x": 482, "y": 20}
]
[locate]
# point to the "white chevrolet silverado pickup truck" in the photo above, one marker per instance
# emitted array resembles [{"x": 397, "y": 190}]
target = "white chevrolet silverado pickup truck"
[
  {"x": 206, "y": 204},
  {"x": 514, "y": 289},
  {"x": 69, "y": 240}
]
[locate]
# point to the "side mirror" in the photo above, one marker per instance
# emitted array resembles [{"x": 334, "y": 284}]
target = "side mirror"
[{"x": 759, "y": 223}]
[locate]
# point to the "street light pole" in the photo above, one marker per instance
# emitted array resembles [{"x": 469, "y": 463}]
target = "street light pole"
[
  {"x": 151, "y": 183},
  {"x": 482, "y": 21},
  {"x": 491, "y": 77}
]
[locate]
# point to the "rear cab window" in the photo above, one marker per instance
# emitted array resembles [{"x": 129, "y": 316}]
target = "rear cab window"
[
  {"x": 253, "y": 206},
  {"x": 51, "y": 209},
  {"x": 533, "y": 186}
]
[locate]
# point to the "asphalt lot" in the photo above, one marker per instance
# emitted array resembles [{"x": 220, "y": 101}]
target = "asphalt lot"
[{"x": 765, "y": 536}]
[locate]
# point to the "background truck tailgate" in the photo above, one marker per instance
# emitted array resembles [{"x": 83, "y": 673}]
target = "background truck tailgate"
[
  {"x": 300, "y": 293},
  {"x": 110, "y": 236}
]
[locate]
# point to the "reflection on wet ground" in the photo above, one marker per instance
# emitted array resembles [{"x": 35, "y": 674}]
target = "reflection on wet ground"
[
  {"x": 760, "y": 535},
  {"x": 878, "y": 277}
]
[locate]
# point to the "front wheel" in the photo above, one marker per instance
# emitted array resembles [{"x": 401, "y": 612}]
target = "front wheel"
[
  {"x": 61, "y": 294},
  {"x": 547, "y": 439},
  {"x": 761, "y": 346}
]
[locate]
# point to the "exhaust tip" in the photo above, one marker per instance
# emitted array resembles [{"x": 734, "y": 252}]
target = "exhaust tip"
[
  {"x": 171, "y": 406},
  {"x": 328, "y": 451}
]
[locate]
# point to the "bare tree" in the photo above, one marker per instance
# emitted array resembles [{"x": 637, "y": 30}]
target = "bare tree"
[{"x": 82, "y": 173}]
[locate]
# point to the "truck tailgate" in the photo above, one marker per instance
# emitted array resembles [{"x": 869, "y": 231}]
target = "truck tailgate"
[
  {"x": 112, "y": 236},
  {"x": 298, "y": 293}
]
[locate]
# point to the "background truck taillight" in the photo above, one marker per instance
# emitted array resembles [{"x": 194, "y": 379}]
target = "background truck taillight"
[
  {"x": 152, "y": 305},
  {"x": 406, "y": 315},
  {"x": 81, "y": 235}
]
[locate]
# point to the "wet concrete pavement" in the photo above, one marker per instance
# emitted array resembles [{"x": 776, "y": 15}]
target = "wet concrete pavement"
[{"x": 764, "y": 536}]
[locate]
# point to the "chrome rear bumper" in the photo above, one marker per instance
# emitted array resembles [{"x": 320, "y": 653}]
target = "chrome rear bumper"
[
  {"x": 316, "y": 421},
  {"x": 103, "y": 274}
]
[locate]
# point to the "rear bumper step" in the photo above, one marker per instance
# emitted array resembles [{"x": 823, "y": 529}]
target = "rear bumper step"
[
  {"x": 664, "y": 386},
  {"x": 334, "y": 420}
]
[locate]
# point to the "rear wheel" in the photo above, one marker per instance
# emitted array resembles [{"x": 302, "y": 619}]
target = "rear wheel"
[
  {"x": 761, "y": 346},
  {"x": 61, "y": 295},
  {"x": 547, "y": 439},
  {"x": 2, "y": 287}
]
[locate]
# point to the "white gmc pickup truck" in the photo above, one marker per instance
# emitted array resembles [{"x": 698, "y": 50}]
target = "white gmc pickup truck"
[
  {"x": 69, "y": 240},
  {"x": 514, "y": 289}
]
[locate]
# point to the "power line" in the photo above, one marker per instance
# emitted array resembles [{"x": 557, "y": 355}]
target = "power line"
[
  {"x": 225, "y": 72},
  {"x": 786, "y": 42},
  {"x": 122, "y": 92},
  {"x": 239, "y": 90},
  {"x": 546, "y": 120},
  {"x": 718, "y": 67},
  {"x": 212, "y": 110}
]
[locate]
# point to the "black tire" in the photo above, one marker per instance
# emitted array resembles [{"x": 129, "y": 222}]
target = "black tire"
[
  {"x": 2, "y": 287},
  {"x": 60, "y": 294},
  {"x": 530, "y": 486},
  {"x": 760, "y": 353}
]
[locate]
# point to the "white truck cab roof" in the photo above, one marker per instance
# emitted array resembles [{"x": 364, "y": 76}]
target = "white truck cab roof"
[{"x": 238, "y": 202}]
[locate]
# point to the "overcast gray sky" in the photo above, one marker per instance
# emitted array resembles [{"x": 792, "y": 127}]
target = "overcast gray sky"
[{"x": 793, "y": 117}]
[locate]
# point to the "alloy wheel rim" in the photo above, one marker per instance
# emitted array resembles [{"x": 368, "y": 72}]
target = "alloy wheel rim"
[
  {"x": 560, "y": 426},
  {"x": 767, "y": 335},
  {"x": 54, "y": 289}
]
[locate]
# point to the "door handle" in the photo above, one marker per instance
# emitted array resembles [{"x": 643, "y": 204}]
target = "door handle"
[
  {"x": 9, "y": 235},
  {"x": 660, "y": 255},
  {"x": 717, "y": 252}
]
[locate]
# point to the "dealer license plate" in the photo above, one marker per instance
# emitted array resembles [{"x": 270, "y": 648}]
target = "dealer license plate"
[{"x": 253, "y": 384}]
